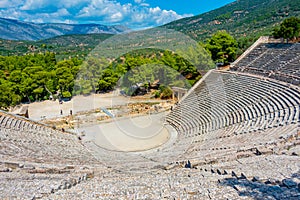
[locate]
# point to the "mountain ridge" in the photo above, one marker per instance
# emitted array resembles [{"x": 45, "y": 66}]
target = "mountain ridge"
[
  {"x": 11, "y": 29},
  {"x": 240, "y": 18},
  {"x": 246, "y": 20}
]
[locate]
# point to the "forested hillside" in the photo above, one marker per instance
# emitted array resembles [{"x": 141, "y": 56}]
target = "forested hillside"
[
  {"x": 63, "y": 46},
  {"x": 243, "y": 19}
]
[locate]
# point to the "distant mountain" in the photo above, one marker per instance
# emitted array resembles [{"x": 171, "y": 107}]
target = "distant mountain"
[
  {"x": 241, "y": 18},
  {"x": 17, "y": 30},
  {"x": 64, "y": 46},
  {"x": 244, "y": 19}
]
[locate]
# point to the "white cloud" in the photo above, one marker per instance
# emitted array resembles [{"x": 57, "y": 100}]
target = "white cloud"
[
  {"x": 103, "y": 8},
  {"x": 71, "y": 3},
  {"x": 55, "y": 17},
  {"x": 116, "y": 17},
  {"x": 142, "y": 3},
  {"x": 10, "y": 3},
  {"x": 34, "y": 4},
  {"x": 59, "y": 16},
  {"x": 61, "y": 12},
  {"x": 145, "y": 4},
  {"x": 38, "y": 4},
  {"x": 155, "y": 10},
  {"x": 137, "y": 15},
  {"x": 11, "y": 13}
]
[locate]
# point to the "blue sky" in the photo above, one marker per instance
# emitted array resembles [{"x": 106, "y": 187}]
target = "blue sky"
[{"x": 135, "y": 14}]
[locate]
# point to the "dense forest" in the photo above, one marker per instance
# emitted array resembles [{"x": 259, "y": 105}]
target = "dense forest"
[
  {"x": 35, "y": 77},
  {"x": 40, "y": 76}
]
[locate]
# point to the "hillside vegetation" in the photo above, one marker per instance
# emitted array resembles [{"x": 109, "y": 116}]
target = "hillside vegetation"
[
  {"x": 63, "y": 46},
  {"x": 243, "y": 19}
]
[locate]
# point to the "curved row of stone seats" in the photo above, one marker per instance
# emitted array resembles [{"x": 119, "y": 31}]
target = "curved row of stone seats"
[
  {"x": 212, "y": 127},
  {"x": 202, "y": 182},
  {"x": 278, "y": 103},
  {"x": 222, "y": 146},
  {"x": 274, "y": 60},
  {"x": 175, "y": 184},
  {"x": 263, "y": 166},
  {"x": 259, "y": 177},
  {"x": 23, "y": 139},
  {"x": 267, "y": 53},
  {"x": 234, "y": 104},
  {"x": 227, "y": 147},
  {"x": 23, "y": 180},
  {"x": 213, "y": 181}
]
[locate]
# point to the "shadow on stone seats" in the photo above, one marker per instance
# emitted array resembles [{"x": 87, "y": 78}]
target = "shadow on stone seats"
[{"x": 257, "y": 188}]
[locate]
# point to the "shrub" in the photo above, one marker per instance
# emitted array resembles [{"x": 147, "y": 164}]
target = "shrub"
[{"x": 66, "y": 94}]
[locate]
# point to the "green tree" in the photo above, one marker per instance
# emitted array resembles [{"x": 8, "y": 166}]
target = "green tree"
[
  {"x": 65, "y": 79},
  {"x": 289, "y": 29},
  {"x": 8, "y": 97},
  {"x": 166, "y": 92},
  {"x": 108, "y": 80},
  {"x": 89, "y": 75},
  {"x": 34, "y": 77},
  {"x": 222, "y": 47}
]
